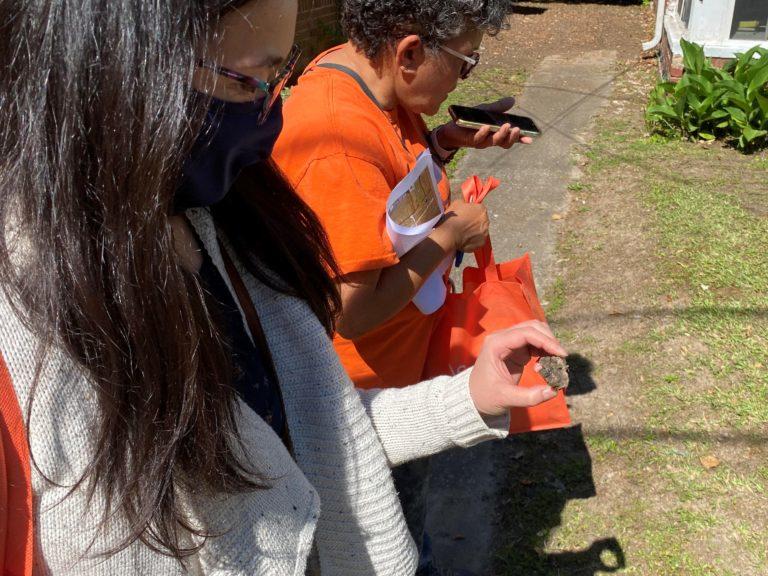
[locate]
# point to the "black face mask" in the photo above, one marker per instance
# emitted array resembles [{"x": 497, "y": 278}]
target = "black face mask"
[{"x": 230, "y": 140}]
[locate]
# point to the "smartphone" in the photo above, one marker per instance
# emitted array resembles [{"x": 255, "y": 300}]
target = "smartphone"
[{"x": 475, "y": 118}]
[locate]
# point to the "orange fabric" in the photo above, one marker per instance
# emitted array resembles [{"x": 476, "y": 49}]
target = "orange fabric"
[
  {"x": 344, "y": 155},
  {"x": 16, "y": 543},
  {"x": 495, "y": 297}
]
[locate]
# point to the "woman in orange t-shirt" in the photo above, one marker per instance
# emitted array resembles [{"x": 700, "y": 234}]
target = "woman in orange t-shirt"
[{"x": 353, "y": 130}]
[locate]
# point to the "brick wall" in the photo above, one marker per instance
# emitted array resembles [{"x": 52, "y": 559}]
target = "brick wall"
[{"x": 317, "y": 26}]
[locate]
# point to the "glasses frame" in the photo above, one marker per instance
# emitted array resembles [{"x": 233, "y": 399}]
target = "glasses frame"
[
  {"x": 272, "y": 88},
  {"x": 469, "y": 61}
]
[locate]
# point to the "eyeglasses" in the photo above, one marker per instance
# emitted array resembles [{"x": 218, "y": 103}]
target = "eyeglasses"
[
  {"x": 469, "y": 62},
  {"x": 272, "y": 88}
]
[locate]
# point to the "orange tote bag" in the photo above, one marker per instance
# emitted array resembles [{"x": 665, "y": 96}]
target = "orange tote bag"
[
  {"x": 494, "y": 297},
  {"x": 16, "y": 543}
]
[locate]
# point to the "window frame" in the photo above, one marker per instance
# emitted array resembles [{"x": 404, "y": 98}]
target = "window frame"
[{"x": 709, "y": 24}]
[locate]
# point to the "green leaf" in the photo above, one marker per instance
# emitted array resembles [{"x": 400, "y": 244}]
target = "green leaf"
[
  {"x": 662, "y": 110},
  {"x": 762, "y": 103},
  {"x": 710, "y": 102},
  {"x": 693, "y": 56},
  {"x": 759, "y": 80},
  {"x": 680, "y": 107},
  {"x": 736, "y": 97},
  {"x": 733, "y": 89},
  {"x": 682, "y": 85},
  {"x": 701, "y": 82},
  {"x": 694, "y": 102},
  {"x": 743, "y": 63},
  {"x": 721, "y": 74},
  {"x": 751, "y": 134},
  {"x": 737, "y": 114}
]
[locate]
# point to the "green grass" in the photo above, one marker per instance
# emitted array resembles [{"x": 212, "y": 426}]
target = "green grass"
[
  {"x": 713, "y": 252},
  {"x": 602, "y": 445},
  {"x": 704, "y": 371},
  {"x": 556, "y": 297},
  {"x": 576, "y": 187},
  {"x": 761, "y": 162},
  {"x": 721, "y": 259}
]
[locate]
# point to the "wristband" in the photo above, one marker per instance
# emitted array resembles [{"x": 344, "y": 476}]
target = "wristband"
[{"x": 444, "y": 155}]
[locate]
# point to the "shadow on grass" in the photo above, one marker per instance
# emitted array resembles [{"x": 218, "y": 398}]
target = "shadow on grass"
[
  {"x": 579, "y": 375},
  {"x": 545, "y": 471},
  {"x": 745, "y": 312}
]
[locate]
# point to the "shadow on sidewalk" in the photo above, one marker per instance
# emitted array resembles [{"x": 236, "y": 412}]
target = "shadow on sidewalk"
[
  {"x": 544, "y": 471},
  {"x": 530, "y": 10}
]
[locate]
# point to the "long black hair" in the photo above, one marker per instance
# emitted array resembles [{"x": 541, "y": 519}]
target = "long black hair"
[{"x": 96, "y": 117}]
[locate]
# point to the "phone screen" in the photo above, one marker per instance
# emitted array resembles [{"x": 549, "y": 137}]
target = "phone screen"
[{"x": 478, "y": 116}]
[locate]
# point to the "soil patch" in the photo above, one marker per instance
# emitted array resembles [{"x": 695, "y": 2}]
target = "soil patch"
[{"x": 541, "y": 28}]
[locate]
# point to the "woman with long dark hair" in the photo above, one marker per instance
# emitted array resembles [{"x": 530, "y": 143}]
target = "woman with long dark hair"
[{"x": 166, "y": 304}]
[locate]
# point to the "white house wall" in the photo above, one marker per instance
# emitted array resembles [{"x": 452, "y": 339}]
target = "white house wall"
[{"x": 709, "y": 25}]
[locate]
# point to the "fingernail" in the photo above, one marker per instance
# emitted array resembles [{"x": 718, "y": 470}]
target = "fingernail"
[{"x": 550, "y": 393}]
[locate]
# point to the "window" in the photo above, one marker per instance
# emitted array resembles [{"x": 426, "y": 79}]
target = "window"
[
  {"x": 684, "y": 10},
  {"x": 749, "y": 20}
]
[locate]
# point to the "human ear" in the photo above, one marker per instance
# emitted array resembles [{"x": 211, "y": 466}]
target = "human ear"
[{"x": 409, "y": 53}]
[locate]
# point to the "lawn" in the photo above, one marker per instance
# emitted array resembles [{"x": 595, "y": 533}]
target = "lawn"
[{"x": 663, "y": 301}]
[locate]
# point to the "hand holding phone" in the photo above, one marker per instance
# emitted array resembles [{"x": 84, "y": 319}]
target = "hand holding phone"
[
  {"x": 483, "y": 126},
  {"x": 477, "y": 118}
]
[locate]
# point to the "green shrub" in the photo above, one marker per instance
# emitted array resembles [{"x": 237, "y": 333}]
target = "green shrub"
[{"x": 709, "y": 103}]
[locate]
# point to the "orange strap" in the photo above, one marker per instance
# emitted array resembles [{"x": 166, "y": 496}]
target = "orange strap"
[
  {"x": 474, "y": 191},
  {"x": 16, "y": 539}
]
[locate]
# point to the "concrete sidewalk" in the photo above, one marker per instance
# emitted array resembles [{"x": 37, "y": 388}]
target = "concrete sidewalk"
[{"x": 563, "y": 95}]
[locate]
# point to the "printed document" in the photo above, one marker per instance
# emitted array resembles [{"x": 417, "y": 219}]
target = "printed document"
[{"x": 413, "y": 209}]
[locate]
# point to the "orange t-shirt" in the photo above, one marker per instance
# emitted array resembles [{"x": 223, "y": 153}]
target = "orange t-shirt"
[
  {"x": 16, "y": 514},
  {"x": 344, "y": 155}
]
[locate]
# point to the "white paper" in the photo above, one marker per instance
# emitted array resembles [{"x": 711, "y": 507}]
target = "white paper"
[{"x": 432, "y": 294}]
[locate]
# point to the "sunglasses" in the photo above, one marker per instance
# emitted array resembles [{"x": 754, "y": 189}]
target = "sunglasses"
[
  {"x": 469, "y": 61},
  {"x": 271, "y": 88}
]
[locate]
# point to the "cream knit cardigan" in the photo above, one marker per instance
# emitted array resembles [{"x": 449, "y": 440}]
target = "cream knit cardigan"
[{"x": 334, "y": 492}]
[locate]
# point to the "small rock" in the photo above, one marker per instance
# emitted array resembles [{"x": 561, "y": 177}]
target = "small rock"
[{"x": 554, "y": 371}]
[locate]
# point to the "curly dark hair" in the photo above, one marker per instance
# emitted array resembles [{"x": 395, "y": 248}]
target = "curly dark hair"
[{"x": 372, "y": 25}]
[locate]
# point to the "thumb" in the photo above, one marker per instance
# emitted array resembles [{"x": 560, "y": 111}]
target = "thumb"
[
  {"x": 499, "y": 106},
  {"x": 517, "y": 396}
]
